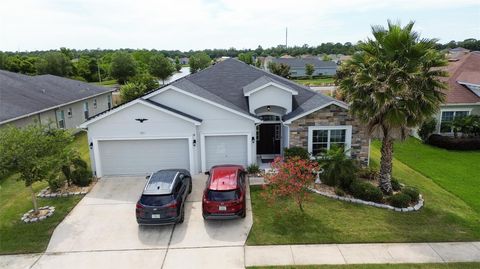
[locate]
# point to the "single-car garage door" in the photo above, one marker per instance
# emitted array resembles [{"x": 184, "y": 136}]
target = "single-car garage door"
[
  {"x": 228, "y": 149},
  {"x": 130, "y": 157}
]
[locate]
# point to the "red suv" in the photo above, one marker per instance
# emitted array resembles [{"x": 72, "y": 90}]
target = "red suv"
[{"x": 224, "y": 195}]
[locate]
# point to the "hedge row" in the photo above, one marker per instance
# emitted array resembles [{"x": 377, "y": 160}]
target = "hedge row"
[{"x": 452, "y": 143}]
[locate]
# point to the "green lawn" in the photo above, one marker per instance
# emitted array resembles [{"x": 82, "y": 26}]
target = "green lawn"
[
  {"x": 456, "y": 171},
  {"x": 18, "y": 237},
  {"x": 445, "y": 217},
  {"x": 315, "y": 81},
  {"x": 111, "y": 82},
  {"x": 382, "y": 266}
]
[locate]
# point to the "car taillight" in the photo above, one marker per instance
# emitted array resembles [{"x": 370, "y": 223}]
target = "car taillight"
[
  {"x": 139, "y": 206},
  {"x": 172, "y": 204}
]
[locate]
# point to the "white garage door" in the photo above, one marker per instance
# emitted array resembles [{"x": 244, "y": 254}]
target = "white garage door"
[
  {"x": 130, "y": 157},
  {"x": 228, "y": 149}
]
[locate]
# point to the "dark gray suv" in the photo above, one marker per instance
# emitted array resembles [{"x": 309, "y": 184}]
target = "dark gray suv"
[{"x": 163, "y": 198}]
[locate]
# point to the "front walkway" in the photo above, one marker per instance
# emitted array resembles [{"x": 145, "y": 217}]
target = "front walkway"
[{"x": 362, "y": 253}]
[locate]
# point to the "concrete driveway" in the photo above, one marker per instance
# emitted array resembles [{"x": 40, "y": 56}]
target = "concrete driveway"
[{"x": 102, "y": 232}]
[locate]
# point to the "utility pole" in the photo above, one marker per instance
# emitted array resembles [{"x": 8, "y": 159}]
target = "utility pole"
[{"x": 286, "y": 37}]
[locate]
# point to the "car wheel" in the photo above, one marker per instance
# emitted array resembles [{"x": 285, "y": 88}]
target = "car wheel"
[
  {"x": 182, "y": 216},
  {"x": 244, "y": 213},
  {"x": 190, "y": 188}
]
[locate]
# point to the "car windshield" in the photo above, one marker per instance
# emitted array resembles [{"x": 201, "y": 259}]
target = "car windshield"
[
  {"x": 156, "y": 200},
  {"x": 221, "y": 196}
]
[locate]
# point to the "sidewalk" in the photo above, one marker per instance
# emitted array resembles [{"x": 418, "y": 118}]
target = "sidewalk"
[{"x": 362, "y": 253}]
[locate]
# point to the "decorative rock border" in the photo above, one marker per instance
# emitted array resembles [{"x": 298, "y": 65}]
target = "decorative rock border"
[
  {"x": 29, "y": 219},
  {"x": 43, "y": 193},
  {"x": 362, "y": 202}
]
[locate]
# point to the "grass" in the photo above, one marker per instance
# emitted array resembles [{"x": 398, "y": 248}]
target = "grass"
[
  {"x": 455, "y": 171},
  {"x": 315, "y": 81},
  {"x": 18, "y": 237},
  {"x": 111, "y": 82},
  {"x": 445, "y": 217},
  {"x": 382, "y": 266}
]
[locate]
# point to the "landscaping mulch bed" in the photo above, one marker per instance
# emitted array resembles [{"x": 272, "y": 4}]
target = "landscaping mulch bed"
[{"x": 66, "y": 191}]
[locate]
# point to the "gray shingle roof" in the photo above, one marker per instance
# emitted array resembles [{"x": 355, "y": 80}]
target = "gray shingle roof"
[
  {"x": 173, "y": 110},
  {"x": 21, "y": 94},
  {"x": 300, "y": 63},
  {"x": 262, "y": 81},
  {"x": 224, "y": 83}
]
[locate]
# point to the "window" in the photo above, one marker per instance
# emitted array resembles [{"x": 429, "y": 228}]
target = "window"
[
  {"x": 447, "y": 119},
  {"x": 270, "y": 118},
  {"x": 258, "y": 133},
  {"x": 322, "y": 138},
  {"x": 109, "y": 101},
  {"x": 69, "y": 112},
  {"x": 277, "y": 132},
  {"x": 95, "y": 103},
  {"x": 85, "y": 109},
  {"x": 61, "y": 119}
]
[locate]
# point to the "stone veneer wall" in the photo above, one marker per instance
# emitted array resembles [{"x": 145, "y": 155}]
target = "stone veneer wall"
[{"x": 332, "y": 116}]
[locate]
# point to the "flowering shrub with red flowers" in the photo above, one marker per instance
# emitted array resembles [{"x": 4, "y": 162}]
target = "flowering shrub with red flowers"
[{"x": 290, "y": 178}]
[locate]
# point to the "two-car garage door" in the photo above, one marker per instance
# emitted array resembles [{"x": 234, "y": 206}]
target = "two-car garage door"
[{"x": 130, "y": 157}]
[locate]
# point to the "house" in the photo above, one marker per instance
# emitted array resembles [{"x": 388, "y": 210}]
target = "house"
[
  {"x": 50, "y": 100},
  {"x": 297, "y": 66},
  {"x": 463, "y": 94},
  {"x": 228, "y": 113},
  {"x": 184, "y": 60}
]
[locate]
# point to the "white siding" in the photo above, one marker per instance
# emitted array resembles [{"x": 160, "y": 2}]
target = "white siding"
[
  {"x": 122, "y": 125},
  {"x": 270, "y": 96}
]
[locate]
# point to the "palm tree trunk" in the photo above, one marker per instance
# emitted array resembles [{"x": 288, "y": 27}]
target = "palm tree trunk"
[
  {"x": 34, "y": 200},
  {"x": 385, "y": 176}
]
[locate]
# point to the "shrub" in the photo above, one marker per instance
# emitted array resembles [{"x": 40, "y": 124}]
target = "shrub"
[
  {"x": 338, "y": 168},
  {"x": 131, "y": 91},
  {"x": 396, "y": 186},
  {"x": 81, "y": 177},
  {"x": 296, "y": 152},
  {"x": 369, "y": 173},
  {"x": 290, "y": 179},
  {"x": 451, "y": 143},
  {"x": 56, "y": 182},
  {"x": 427, "y": 128},
  {"x": 412, "y": 193},
  {"x": 339, "y": 192},
  {"x": 253, "y": 168},
  {"x": 366, "y": 191},
  {"x": 399, "y": 200}
]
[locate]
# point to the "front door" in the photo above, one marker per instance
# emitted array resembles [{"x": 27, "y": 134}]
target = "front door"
[{"x": 268, "y": 139}]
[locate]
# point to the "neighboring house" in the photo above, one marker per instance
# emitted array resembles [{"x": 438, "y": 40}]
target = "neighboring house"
[
  {"x": 297, "y": 66},
  {"x": 463, "y": 94},
  {"x": 50, "y": 100},
  {"x": 184, "y": 60},
  {"x": 229, "y": 113}
]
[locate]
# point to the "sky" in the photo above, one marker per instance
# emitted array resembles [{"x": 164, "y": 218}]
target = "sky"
[{"x": 27, "y": 25}]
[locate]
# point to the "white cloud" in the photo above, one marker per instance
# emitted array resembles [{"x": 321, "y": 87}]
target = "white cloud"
[{"x": 196, "y": 24}]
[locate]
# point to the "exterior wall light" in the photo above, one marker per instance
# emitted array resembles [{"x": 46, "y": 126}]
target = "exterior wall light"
[
  {"x": 91, "y": 145},
  {"x": 253, "y": 139}
]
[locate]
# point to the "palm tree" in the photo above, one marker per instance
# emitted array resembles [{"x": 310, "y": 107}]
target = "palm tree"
[{"x": 393, "y": 83}]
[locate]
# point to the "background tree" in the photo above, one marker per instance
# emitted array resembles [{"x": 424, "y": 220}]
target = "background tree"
[
  {"x": 122, "y": 66},
  {"x": 131, "y": 91},
  {"x": 178, "y": 65},
  {"x": 258, "y": 63},
  {"x": 161, "y": 67},
  {"x": 199, "y": 61},
  {"x": 35, "y": 152},
  {"x": 291, "y": 179},
  {"x": 246, "y": 57},
  {"x": 281, "y": 69},
  {"x": 309, "y": 69},
  {"x": 150, "y": 82},
  {"x": 54, "y": 63},
  {"x": 393, "y": 84},
  {"x": 326, "y": 58}
]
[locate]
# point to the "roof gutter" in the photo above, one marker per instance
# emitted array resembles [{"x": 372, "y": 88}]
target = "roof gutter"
[{"x": 54, "y": 107}]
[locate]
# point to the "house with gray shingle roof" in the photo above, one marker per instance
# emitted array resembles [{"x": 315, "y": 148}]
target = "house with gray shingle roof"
[
  {"x": 50, "y": 100},
  {"x": 229, "y": 113},
  {"x": 297, "y": 66}
]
